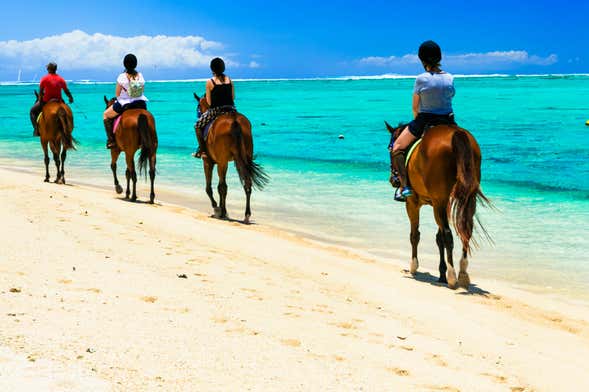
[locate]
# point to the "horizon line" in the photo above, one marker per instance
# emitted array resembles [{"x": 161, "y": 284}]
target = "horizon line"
[{"x": 333, "y": 78}]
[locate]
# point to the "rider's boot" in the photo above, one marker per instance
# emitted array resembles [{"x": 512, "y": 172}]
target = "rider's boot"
[
  {"x": 201, "y": 144},
  {"x": 398, "y": 162},
  {"x": 108, "y": 125}
]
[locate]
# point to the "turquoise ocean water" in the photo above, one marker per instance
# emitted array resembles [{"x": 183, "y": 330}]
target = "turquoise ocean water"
[{"x": 531, "y": 130}]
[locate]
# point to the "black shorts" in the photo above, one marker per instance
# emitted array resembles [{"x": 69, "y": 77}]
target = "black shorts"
[
  {"x": 140, "y": 104},
  {"x": 425, "y": 120}
]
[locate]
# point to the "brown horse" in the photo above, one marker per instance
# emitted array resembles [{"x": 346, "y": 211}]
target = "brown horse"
[
  {"x": 56, "y": 124},
  {"x": 230, "y": 139},
  {"x": 135, "y": 131},
  {"x": 445, "y": 172}
]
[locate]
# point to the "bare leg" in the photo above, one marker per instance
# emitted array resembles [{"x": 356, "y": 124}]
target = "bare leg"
[
  {"x": 412, "y": 208},
  {"x": 222, "y": 188}
]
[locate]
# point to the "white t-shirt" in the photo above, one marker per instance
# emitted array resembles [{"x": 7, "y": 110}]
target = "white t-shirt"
[{"x": 123, "y": 81}]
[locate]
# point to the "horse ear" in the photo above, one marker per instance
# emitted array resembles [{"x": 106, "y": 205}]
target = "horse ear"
[
  {"x": 105, "y": 100},
  {"x": 196, "y": 97},
  {"x": 391, "y": 129}
]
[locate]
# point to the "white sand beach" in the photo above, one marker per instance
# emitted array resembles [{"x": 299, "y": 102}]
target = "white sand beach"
[{"x": 97, "y": 293}]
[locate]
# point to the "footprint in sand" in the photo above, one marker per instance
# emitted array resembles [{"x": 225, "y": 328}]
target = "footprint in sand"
[
  {"x": 291, "y": 342},
  {"x": 64, "y": 281},
  {"x": 495, "y": 377},
  {"x": 398, "y": 371},
  {"x": 149, "y": 299},
  {"x": 436, "y": 359},
  {"x": 445, "y": 388}
]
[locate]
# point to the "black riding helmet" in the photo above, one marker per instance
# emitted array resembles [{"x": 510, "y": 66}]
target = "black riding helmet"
[
  {"x": 217, "y": 66},
  {"x": 430, "y": 53},
  {"x": 130, "y": 62}
]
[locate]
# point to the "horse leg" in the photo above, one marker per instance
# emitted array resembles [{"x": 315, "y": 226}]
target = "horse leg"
[
  {"x": 247, "y": 186},
  {"x": 132, "y": 175},
  {"x": 152, "y": 178},
  {"x": 57, "y": 163},
  {"x": 442, "y": 220},
  {"x": 46, "y": 160},
  {"x": 208, "y": 168},
  {"x": 114, "y": 155},
  {"x": 463, "y": 278},
  {"x": 62, "y": 173},
  {"x": 128, "y": 176},
  {"x": 412, "y": 207},
  {"x": 222, "y": 188},
  {"x": 442, "y": 267}
]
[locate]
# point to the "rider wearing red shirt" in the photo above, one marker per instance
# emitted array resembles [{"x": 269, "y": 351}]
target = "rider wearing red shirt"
[{"x": 49, "y": 89}]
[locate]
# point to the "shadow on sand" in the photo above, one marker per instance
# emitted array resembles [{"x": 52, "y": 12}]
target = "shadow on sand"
[{"x": 426, "y": 277}]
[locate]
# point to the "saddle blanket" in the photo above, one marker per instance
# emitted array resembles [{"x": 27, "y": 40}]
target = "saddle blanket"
[
  {"x": 410, "y": 152},
  {"x": 116, "y": 123}
]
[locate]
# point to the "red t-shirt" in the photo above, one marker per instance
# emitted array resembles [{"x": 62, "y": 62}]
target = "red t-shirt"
[{"x": 52, "y": 84}]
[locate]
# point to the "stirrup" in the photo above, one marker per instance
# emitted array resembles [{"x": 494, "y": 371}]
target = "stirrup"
[
  {"x": 199, "y": 154},
  {"x": 402, "y": 194}
]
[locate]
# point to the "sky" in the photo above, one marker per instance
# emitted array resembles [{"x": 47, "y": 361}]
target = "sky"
[{"x": 291, "y": 39}]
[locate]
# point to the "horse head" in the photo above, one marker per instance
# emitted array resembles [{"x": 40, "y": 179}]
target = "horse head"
[
  {"x": 395, "y": 132},
  {"x": 203, "y": 105},
  {"x": 109, "y": 102}
]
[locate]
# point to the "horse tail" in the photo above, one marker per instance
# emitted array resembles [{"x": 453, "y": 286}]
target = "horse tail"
[
  {"x": 467, "y": 191},
  {"x": 66, "y": 127},
  {"x": 249, "y": 170},
  {"x": 147, "y": 143}
]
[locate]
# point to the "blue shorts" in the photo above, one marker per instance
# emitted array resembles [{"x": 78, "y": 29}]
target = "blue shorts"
[{"x": 140, "y": 104}]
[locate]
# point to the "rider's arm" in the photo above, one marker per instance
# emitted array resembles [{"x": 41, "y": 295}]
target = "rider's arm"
[
  {"x": 209, "y": 89},
  {"x": 415, "y": 106},
  {"x": 118, "y": 90},
  {"x": 69, "y": 94}
]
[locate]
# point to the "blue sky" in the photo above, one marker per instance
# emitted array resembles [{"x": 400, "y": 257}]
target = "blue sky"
[{"x": 292, "y": 38}]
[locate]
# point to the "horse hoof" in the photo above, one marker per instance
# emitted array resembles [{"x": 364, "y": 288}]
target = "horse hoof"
[
  {"x": 246, "y": 220},
  {"x": 46, "y": 180},
  {"x": 463, "y": 280},
  {"x": 119, "y": 189},
  {"x": 134, "y": 199},
  {"x": 217, "y": 213},
  {"x": 414, "y": 266}
]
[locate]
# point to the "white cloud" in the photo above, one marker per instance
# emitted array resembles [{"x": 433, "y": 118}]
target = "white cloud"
[
  {"x": 479, "y": 60},
  {"x": 254, "y": 64},
  {"x": 78, "y": 50}
]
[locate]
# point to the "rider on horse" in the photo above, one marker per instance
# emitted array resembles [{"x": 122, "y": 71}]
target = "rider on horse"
[
  {"x": 220, "y": 96},
  {"x": 49, "y": 89},
  {"x": 129, "y": 95},
  {"x": 432, "y": 105}
]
